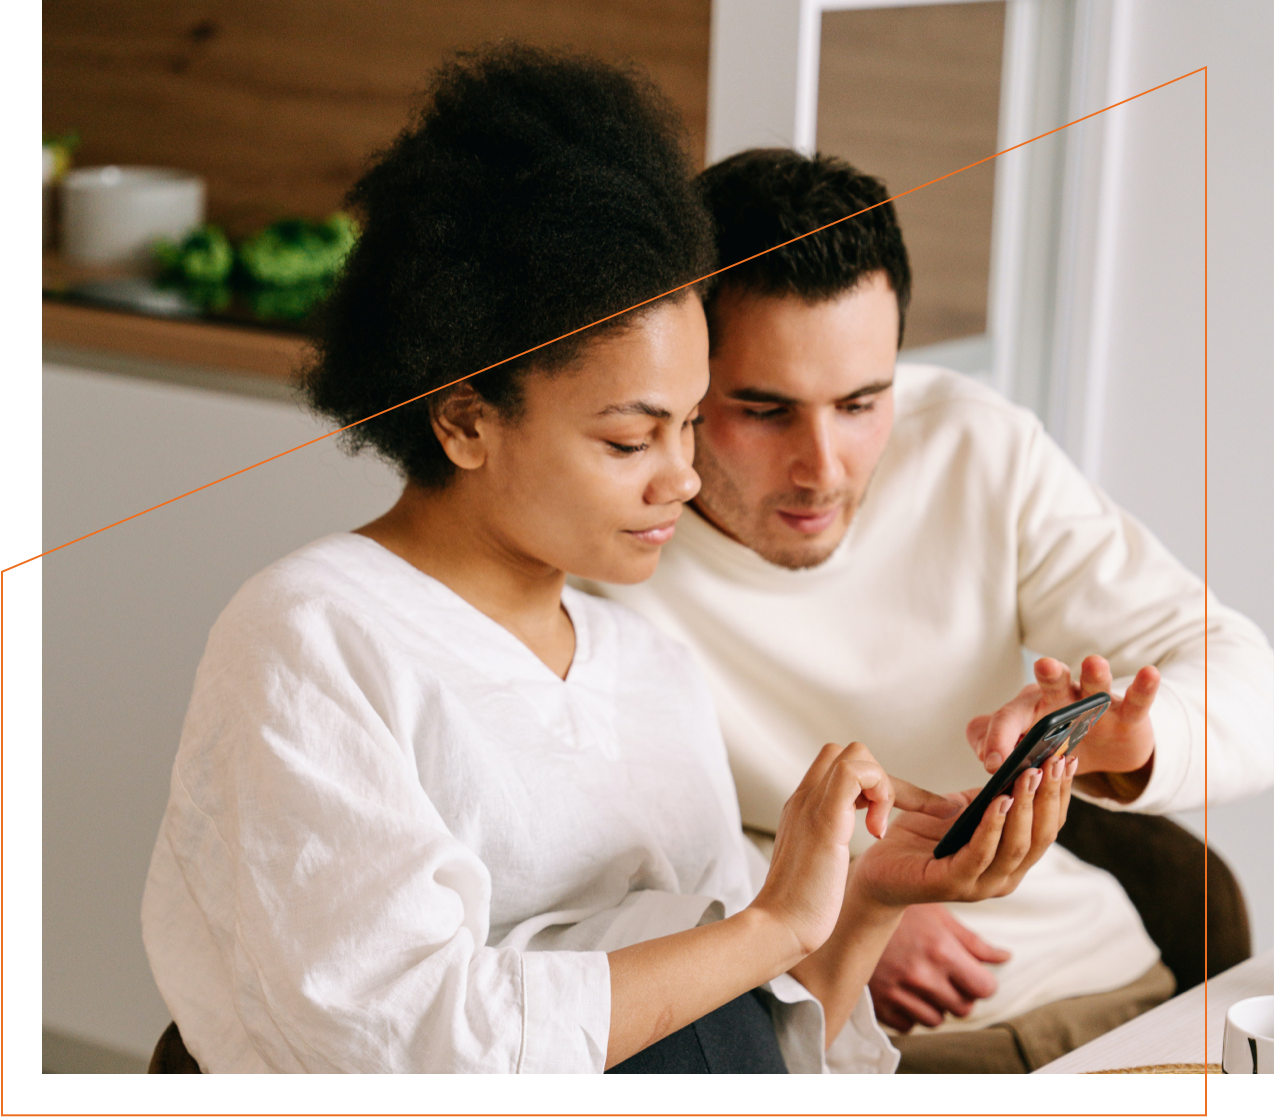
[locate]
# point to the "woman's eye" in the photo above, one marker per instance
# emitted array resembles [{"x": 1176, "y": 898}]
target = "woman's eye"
[
  {"x": 695, "y": 422},
  {"x": 858, "y": 408},
  {"x": 627, "y": 448}
]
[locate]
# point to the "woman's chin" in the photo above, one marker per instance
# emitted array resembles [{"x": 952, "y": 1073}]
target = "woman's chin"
[{"x": 622, "y": 570}]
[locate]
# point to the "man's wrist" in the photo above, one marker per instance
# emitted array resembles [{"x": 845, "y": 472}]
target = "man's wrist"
[{"x": 1122, "y": 787}]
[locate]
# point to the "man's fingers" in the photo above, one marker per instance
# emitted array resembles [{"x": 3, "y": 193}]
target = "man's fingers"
[
  {"x": 889, "y": 1014},
  {"x": 1140, "y": 695},
  {"x": 1054, "y": 679},
  {"x": 975, "y": 732},
  {"x": 1094, "y": 676},
  {"x": 949, "y": 998},
  {"x": 976, "y": 946},
  {"x": 971, "y": 980},
  {"x": 909, "y": 797},
  {"x": 917, "y": 1007},
  {"x": 1007, "y": 725}
]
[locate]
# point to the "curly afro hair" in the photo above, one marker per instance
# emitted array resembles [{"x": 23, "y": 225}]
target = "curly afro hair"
[
  {"x": 766, "y": 196},
  {"x": 535, "y": 193}
]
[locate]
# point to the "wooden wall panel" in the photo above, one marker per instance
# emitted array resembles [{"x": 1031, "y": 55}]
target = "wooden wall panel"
[
  {"x": 279, "y": 102},
  {"x": 909, "y": 94}
]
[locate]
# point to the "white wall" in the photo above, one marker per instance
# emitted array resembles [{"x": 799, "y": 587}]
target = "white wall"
[
  {"x": 126, "y": 615},
  {"x": 1146, "y": 358}
]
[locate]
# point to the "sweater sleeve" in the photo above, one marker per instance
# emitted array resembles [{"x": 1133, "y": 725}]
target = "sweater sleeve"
[
  {"x": 1092, "y": 580},
  {"x": 351, "y": 924}
]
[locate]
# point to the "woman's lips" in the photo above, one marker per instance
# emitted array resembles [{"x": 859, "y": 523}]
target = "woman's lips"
[
  {"x": 659, "y": 535},
  {"x": 809, "y": 523}
]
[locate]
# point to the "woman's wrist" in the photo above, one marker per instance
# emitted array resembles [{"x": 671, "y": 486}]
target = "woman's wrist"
[
  {"x": 838, "y": 971},
  {"x": 774, "y": 938},
  {"x": 862, "y": 906}
]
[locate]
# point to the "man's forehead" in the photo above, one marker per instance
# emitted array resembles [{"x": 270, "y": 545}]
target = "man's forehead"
[
  {"x": 781, "y": 348},
  {"x": 799, "y": 348}
]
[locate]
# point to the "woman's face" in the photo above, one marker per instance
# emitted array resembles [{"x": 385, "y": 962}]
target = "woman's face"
[{"x": 593, "y": 475}]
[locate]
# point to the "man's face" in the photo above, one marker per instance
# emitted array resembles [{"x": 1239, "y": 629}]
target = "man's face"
[{"x": 796, "y": 417}]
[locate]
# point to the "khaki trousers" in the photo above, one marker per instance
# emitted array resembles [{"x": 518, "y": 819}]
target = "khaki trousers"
[{"x": 1022, "y": 1044}]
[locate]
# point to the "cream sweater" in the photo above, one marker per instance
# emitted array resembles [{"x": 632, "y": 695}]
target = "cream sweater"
[{"x": 977, "y": 539}]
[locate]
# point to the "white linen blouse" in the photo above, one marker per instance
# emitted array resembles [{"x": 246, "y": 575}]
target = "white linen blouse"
[{"x": 396, "y": 841}]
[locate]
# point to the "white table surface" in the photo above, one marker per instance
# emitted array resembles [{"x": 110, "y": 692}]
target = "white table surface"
[{"x": 1172, "y": 1033}]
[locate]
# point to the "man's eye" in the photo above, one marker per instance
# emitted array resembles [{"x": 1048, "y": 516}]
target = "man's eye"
[
  {"x": 764, "y": 413},
  {"x": 627, "y": 448},
  {"x": 857, "y": 407}
]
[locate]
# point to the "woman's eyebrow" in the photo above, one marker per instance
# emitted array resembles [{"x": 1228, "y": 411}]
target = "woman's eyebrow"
[{"x": 635, "y": 407}]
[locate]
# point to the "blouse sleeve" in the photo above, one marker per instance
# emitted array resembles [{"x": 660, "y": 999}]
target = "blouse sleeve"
[{"x": 349, "y": 922}]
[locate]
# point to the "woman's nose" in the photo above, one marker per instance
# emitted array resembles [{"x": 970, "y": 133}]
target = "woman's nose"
[{"x": 676, "y": 481}]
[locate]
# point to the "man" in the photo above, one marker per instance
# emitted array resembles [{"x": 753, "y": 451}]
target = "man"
[{"x": 871, "y": 553}]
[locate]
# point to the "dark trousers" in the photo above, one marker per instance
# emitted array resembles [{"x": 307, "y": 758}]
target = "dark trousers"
[{"x": 736, "y": 1039}]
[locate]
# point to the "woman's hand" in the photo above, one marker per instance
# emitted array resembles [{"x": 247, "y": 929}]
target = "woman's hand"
[
  {"x": 662, "y": 984},
  {"x": 805, "y": 886},
  {"x": 1013, "y": 835}
]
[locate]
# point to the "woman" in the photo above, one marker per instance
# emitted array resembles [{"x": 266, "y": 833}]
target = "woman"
[{"x": 432, "y": 810}]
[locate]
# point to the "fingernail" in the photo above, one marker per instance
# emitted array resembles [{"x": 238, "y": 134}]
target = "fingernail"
[
  {"x": 1071, "y": 766},
  {"x": 992, "y": 759},
  {"x": 1005, "y": 804},
  {"x": 1035, "y": 781}
]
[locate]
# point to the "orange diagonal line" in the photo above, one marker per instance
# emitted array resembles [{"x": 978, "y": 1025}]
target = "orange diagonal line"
[{"x": 607, "y": 318}]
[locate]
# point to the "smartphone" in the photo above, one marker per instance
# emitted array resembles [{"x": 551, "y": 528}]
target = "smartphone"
[{"x": 1053, "y": 735}]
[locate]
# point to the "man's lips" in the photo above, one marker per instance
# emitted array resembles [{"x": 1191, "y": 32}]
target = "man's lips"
[
  {"x": 807, "y": 522},
  {"x": 660, "y": 534}
]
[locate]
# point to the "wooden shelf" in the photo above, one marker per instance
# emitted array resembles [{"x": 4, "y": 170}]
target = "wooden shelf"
[
  {"x": 233, "y": 349},
  {"x": 225, "y": 347}
]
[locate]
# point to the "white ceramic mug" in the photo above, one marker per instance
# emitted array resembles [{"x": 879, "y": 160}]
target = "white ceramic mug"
[
  {"x": 1249, "y": 1037},
  {"x": 112, "y": 215}
]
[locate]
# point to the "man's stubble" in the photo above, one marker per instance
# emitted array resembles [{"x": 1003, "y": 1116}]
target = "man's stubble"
[{"x": 723, "y": 505}]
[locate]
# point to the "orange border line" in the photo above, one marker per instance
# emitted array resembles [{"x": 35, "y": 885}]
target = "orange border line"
[
  {"x": 607, "y": 318},
  {"x": 542, "y": 345},
  {"x": 1206, "y": 786}
]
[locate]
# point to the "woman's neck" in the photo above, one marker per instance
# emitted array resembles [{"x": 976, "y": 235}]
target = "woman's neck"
[{"x": 443, "y": 533}]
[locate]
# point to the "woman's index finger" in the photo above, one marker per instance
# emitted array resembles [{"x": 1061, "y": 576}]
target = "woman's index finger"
[{"x": 911, "y": 797}]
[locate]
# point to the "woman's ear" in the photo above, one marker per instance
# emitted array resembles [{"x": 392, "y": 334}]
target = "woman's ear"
[{"x": 461, "y": 422}]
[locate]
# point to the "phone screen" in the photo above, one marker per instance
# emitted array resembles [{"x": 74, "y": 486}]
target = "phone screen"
[{"x": 1054, "y": 734}]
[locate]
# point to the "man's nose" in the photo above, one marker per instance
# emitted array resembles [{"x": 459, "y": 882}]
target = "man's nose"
[{"x": 816, "y": 464}]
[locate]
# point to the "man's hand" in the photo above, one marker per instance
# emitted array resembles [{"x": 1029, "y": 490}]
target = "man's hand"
[
  {"x": 932, "y": 966},
  {"x": 1116, "y": 756}
]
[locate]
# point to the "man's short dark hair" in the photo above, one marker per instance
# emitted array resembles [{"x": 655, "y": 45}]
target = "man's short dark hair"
[
  {"x": 766, "y": 196},
  {"x": 536, "y": 192}
]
